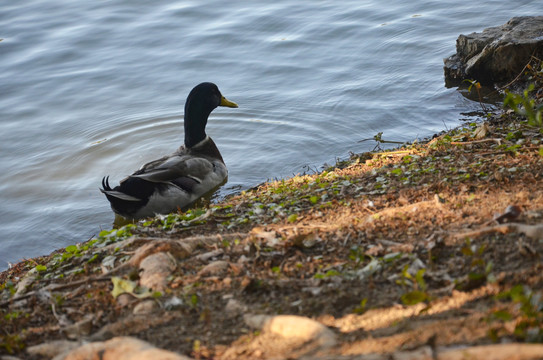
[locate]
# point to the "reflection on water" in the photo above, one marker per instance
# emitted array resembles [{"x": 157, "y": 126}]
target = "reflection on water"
[{"x": 91, "y": 89}]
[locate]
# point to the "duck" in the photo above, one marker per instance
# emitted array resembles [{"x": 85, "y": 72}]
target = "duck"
[{"x": 176, "y": 181}]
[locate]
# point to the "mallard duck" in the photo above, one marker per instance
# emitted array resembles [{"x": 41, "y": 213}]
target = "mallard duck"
[{"x": 179, "y": 179}]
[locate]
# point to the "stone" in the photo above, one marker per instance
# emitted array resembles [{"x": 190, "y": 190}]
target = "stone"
[
  {"x": 215, "y": 268},
  {"x": 155, "y": 270},
  {"x": 8, "y": 357},
  {"x": 26, "y": 282},
  {"x": 79, "y": 329},
  {"x": 284, "y": 336},
  {"x": 234, "y": 307},
  {"x": 145, "y": 307},
  {"x": 517, "y": 351},
  {"x": 121, "y": 348},
  {"x": 51, "y": 349},
  {"x": 496, "y": 55}
]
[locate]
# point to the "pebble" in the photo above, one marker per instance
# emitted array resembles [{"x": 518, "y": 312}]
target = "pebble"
[
  {"x": 219, "y": 267},
  {"x": 126, "y": 348},
  {"x": 301, "y": 328},
  {"x": 155, "y": 270},
  {"x": 145, "y": 307},
  {"x": 234, "y": 307}
]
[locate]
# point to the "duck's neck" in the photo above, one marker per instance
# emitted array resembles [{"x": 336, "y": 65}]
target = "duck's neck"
[{"x": 195, "y": 124}]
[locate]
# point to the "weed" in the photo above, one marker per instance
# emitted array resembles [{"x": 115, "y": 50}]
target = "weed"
[
  {"x": 419, "y": 293},
  {"x": 514, "y": 135},
  {"x": 477, "y": 85},
  {"x": 328, "y": 274},
  {"x": 529, "y": 313},
  {"x": 9, "y": 287},
  {"x": 292, "y": 218},
  {"x": 11, "y": 343},
  {"x": 194, "y": 300},
  {"x": 524, "y": 105},
  {"x": 360, "y": 309},
  {"x": 480, "y": 271},
  {"x": 357, "y": 254},
  {"x": 170, "y": 221},
  {"x": 41, "y": 268}
]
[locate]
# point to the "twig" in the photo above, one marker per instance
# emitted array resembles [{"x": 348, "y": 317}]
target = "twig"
[
  {"x": 499, "y": 141},
  {"x": 532, "y": 231},
  {"x": 394, "y": 153},
  {"x": 56, "y": 288},
  {"x": 380, "y": 140},
  {"x": 519, "y": 74}
]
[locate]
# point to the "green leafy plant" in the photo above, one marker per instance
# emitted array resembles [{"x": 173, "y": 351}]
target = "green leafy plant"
[
  {"x": 357, "y": 255},
  {"x": 328, "y": 274},
  {"x": 529, "y": 313},
  {"x": 125, "y": 286},
  {"x": 524, "y": 105},
  {"x": 292, "y": 218},
  {"x": 194, "y": 300},
  {"x": 41, "y": 268},
  {"x": 9, "y": 287},
  {"x": 419, "y": 293},
  {"x": 360, "y": 309},
  {"x": 11, "y": 343},
  {"x": 480, "y": 271}
]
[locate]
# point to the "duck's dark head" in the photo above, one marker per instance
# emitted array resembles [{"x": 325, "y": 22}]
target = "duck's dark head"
[{"x": 202, "y": 100}]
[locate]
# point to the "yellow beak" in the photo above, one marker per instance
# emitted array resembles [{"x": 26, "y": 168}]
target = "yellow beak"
[{"x": 226, "y": 102}]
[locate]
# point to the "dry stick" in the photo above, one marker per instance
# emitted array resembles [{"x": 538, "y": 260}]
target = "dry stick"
[
  {"x": 56, "y": 288},
  {"x": 532, "y": 231},
  {"x": 499, "y": 141},
  {"x": 493, "y": 153},
  {"x": 497, "y": 351},
  {"x": 394, "y": 153},
  {"x": 519, "y": 74}
]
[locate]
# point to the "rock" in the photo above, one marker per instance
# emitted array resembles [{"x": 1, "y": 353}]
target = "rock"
[
  {"x": 155, "y": 270},
  {"x": 52, "y": 349},
  {"x": 125, "y": 300},
  {"x": 301, "y": 328},
  {"x": 26, "y": 282},
  {"x": 81, "y": 328},
  {"x": 131, "y": 324},
  {"x": 121, "y": 348},
  {"x": 284, "y": 336},
  {"x": 173, "y": 303},
  {"x": 234, "y": 307},
  {"x": 178, "y": 249},
  {"x": 497, "y": 352},
  {"x": 496, "y": 55},
  {"x": 8, "y": 357},
  {"x": 145, "y": 307},
  {"x": 108, "y": 264},
  {"x": 209, "y": 255},
  {"x": 215, "y": 268}
]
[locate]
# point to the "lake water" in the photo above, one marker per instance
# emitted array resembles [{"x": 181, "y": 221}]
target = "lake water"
[{"x": 91, "y": 88}]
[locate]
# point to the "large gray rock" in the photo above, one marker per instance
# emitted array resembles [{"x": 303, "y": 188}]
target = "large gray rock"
[{"x": 498, "y": 54}]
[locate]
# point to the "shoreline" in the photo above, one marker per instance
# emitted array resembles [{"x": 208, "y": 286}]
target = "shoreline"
[{"x": 386, "y": 253}]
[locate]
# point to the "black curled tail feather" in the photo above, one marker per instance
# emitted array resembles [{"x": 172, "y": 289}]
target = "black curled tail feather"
[{"x": 105, "y": 184}]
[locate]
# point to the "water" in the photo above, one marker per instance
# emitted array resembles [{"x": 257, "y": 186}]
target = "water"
[{"x": 90, "y": 88}]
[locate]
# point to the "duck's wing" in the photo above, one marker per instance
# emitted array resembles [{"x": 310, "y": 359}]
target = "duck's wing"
[{"x": 181, "y": 170}]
